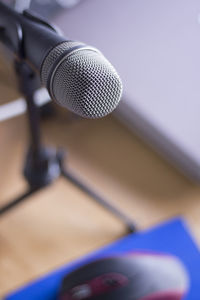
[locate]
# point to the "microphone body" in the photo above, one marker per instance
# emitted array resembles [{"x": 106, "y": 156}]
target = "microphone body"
[
  {"x": 38, "y": 39},
  {"x": 77, "y": 76}
]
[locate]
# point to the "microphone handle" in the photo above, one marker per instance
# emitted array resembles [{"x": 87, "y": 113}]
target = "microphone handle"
[{"x": 38, "y": 36}]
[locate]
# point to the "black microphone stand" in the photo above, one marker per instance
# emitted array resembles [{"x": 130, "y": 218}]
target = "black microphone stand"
[{"x": 43, "y": 164}]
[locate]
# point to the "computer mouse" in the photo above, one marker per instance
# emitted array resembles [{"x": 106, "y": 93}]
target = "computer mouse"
[{"x": 131, "y": 276}]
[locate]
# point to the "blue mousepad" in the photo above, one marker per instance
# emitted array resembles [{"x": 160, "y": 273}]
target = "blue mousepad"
[{"x": 172, "y": 238}]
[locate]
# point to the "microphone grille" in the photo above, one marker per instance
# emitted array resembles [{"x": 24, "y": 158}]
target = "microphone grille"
[
  {"x": 86, "y": 83},
  {"x": 52, "y": 57}
]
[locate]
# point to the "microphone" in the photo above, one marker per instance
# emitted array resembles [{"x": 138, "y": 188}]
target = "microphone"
[{"x": 78, "y": 77}]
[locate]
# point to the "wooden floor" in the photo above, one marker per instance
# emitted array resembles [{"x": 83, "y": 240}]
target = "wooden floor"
[{"x": 61, "y": 223}]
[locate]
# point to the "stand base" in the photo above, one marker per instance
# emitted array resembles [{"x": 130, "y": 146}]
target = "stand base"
[
  {"x": 49, "y": 167},
  {"x": 44, "y": 169},
  {"x": 5, "y": 209},
  {"x": 44, "y": 165}
]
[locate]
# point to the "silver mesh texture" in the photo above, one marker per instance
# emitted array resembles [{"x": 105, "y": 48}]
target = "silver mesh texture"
[
  {"x": 85, "y": 83},
  {"x": 53, "y": 55}
]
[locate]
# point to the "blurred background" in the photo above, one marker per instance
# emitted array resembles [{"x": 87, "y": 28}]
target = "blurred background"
[{"x": 144, "y": 157}]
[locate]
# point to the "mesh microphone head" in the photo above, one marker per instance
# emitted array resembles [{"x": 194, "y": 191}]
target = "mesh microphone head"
[{"x": 81, "y": 79}]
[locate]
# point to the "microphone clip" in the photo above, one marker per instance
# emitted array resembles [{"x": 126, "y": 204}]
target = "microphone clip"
[
  {"x": 12, "y": 36},
  {"x": 38, "y": 19}
]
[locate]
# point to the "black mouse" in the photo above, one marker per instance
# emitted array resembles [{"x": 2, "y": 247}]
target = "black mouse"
[{"x": 134, "y": 276}]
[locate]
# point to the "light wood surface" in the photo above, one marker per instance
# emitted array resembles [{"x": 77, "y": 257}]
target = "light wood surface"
[{"x": 61, "y": 223}]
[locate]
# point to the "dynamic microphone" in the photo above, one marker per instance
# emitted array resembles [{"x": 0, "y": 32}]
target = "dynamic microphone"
[{"x": 77, "y": 76}]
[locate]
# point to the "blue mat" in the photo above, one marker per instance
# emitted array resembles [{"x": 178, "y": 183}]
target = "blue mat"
[{"x": 170, "y": 238}]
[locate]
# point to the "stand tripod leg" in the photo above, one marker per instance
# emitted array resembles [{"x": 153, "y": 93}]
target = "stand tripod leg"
[
  {"x": 7, "y": 207},
  {"x": 128, "y": 222}
]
